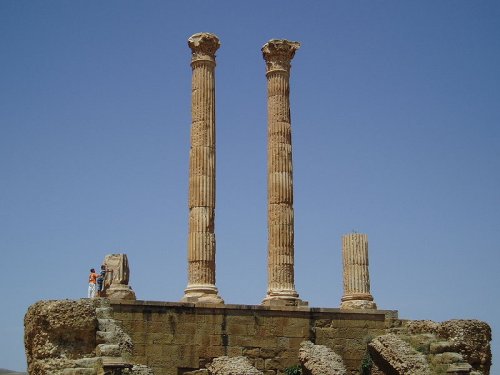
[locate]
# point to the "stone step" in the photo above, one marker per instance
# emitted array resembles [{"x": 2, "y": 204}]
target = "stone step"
[
  {"x": 79, "y": 371},
  {"x": 103, "y": 337},
  {"x": 115, "y": 362},
  {"x": 442, "y": 347},
  {"x": 88, "y": 362},
  {"x": 108, "y": 350},
  {"x": 104, "y": 312},
  {"x": 447, "y": 358},
  {"x": 106, "y": 324}
]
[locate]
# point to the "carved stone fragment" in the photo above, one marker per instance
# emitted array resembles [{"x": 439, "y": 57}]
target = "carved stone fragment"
[
  {"x": 395, "y": 356},
  {"x": 117, "y": 277},
  {"x": 320, "y": 360}
]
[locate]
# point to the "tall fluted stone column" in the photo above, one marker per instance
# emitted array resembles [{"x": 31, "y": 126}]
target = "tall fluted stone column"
[
  {"x": 356, "y": 277},
  {"x": 281, "y": 287},
  {"x": 201, "y": 242}
]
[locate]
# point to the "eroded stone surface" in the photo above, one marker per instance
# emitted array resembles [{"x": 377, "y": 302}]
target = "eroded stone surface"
[
  {"x": 57, "y": 332},
  {"x": 320, "y": 360},
  {"x": 393, "y": 354},
  {"x": 469, "y": 338},
  {"x": 232, "y": 366}
]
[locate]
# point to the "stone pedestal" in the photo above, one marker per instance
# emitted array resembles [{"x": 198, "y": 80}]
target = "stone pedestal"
[
  {"x": 201, "y": 240},
  {"x": 281, "y": 288},
  {"x": 356, "y": 277}
]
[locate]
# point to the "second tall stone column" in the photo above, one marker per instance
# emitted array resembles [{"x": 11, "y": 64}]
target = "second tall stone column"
[
  {"x": 201, "y": 241},
  {"x": 281, "y": 286}
]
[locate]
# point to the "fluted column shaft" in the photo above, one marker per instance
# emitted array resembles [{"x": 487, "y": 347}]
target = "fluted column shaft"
[
  {"x": 201, "y": 240},
  {"x": 356, "y": 275},
  {"x": 281, "y": 286}
]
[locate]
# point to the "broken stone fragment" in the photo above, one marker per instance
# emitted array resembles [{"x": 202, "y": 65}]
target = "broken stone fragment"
[{"x": 320, "y": 360}]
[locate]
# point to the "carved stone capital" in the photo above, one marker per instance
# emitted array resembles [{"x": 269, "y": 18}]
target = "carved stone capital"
[
  {"x": 203, "y": 46},
  {"x": 278, "y": 53}
]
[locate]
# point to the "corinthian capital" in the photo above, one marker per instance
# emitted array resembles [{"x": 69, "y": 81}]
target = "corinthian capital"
[
  {"x": 278, "y": 53},
  {"x": 203, "y": 46}
]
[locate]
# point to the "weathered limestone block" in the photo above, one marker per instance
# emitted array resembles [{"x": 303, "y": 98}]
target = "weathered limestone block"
[
  {"x": 117, "y": 278},
  {"x": 393, "y": 355},
  {"x": 320, "y": 360},
  {"x": 58, "y": 332},
  {"x": 232, "y": 366}
]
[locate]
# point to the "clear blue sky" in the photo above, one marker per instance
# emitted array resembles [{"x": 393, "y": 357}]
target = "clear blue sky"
[{"x": 396, "y": 133}]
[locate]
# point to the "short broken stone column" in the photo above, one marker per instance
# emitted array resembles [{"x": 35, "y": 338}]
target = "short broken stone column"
[
  {"x": 459, "y": 369},
  {"x": 281, "y": 286},
  {"x": 201, "y": 240},
  {"x": 356, "y": 277}
]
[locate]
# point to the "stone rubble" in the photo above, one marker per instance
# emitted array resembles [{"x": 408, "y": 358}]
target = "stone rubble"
[{"x": 468, "y": 338}]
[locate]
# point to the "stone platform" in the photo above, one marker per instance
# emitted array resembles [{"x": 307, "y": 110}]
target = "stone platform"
[{"x": 174, "y": 338}]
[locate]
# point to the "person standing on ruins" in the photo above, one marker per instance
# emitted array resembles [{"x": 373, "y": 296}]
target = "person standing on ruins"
[
  {"x": 100, "y": 280},
  {"x": 92, "y": 283}
]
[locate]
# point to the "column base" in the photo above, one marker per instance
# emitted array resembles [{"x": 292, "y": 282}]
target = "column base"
[
  {"x": 358, "y": 301},
  {"x": 202, "y": 294},
  {"x": 283, "y": 298},
  {"x": 120, "y": 291}
]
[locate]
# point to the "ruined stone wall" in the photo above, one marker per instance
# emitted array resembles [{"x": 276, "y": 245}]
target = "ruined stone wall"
[{"x": 173, "y": 338}]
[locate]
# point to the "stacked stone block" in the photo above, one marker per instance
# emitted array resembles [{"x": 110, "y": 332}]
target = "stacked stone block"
[{"x": 176, "y": 338}]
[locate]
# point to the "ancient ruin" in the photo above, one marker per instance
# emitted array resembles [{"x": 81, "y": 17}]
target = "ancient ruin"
[{"x": 203, "y": 336}]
